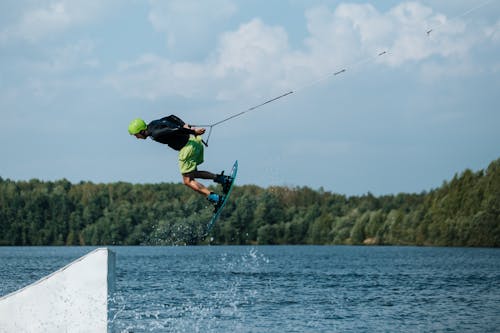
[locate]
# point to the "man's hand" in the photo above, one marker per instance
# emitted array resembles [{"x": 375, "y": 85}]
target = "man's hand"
[{"x": 199, "y": 131}]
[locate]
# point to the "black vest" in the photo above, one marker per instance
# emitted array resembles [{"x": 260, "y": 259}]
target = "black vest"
[{"x": 169, "y": 130}]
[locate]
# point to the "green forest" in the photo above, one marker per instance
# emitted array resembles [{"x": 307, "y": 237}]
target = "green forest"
[{"x": 464, "y": 211}]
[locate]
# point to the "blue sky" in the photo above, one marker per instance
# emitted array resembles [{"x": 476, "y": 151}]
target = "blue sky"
[{"x": 73, "y": 73}]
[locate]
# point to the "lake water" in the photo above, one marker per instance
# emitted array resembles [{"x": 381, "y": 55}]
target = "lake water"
[{"x": 287, "y": 288}]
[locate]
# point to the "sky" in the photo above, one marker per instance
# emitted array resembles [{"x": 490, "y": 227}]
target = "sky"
[{"x": 74, "y": 73}]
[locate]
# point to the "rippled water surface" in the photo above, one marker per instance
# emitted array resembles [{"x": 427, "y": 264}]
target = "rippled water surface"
[{"x": 286, "y": 288}]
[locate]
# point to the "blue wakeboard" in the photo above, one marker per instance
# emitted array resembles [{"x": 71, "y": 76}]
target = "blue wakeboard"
[{"x": 225, "y": 197}]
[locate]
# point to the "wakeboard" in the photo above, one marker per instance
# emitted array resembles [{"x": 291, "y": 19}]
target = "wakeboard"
[{"x": 225, "y": 197}]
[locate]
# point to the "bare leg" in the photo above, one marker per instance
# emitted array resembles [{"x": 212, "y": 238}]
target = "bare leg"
[{"x": 189, "y": 181}]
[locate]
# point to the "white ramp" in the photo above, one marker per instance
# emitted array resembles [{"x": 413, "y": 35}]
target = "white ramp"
[{"x": 72, "y": 299}]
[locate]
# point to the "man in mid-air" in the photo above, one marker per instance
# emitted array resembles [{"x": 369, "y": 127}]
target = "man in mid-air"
[{"x": 180, "y": 136}]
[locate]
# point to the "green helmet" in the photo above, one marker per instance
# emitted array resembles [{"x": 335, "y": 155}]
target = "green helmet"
[{"x": 136, "y": 126}]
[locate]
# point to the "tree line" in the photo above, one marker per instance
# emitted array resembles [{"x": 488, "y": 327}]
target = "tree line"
[{"x": 462, "y": 212}]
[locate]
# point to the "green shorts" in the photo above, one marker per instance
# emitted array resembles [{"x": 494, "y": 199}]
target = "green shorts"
[{"x": 191, "y": 155}]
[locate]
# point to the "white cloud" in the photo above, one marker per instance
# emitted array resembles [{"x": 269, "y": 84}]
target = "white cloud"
[
  {"x": 39, "y": 22},
  {"x": 252, "y": 47},
  {"x": 53, "y": 17},
  {"x": 153, "y": 77},
  {"x": 252, "y": 56},
  {"x": 336, "y": 37},
  {"x": 259, "y": 58},
  {"x": 248, "y": 55},
  {"x": 413, "y": 43},
  {"x": 355, "y": 31}
]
